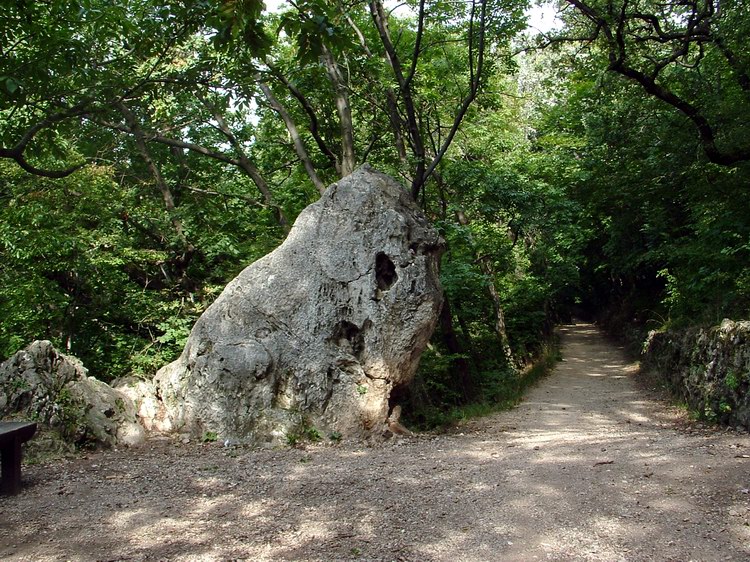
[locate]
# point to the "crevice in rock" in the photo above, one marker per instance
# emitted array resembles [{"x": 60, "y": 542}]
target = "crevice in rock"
[
  {"x": 330, "y": 378},
  {"x": 397, "y": 396},
  {"x": 385, "y": 272}
]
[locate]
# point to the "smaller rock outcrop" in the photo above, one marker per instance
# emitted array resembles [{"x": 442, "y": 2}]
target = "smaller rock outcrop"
[
  {"x": 40, "y": 384},
  {"x": 708, "y": 368}
]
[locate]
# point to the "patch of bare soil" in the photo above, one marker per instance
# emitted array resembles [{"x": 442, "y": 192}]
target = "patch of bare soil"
[{"x": 586, "y": 468}]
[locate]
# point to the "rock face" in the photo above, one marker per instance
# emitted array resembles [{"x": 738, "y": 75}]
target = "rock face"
[
  {"x": 40, "y": 384},
  {"x": 707, "y": 368},
  {"x": 318, "y": 333},
  {"x": 149, "y": 409},
  {"x": 32, "y": 379}
]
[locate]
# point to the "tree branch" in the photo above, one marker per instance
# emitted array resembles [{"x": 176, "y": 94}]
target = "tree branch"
[
  {"x": 161, "y": 183},
  {"x": 244, "y": 163},
  {"x": 299, "y": 146},
  {"x": 308, "y": 109},
  {"x": 697, "y": 31},
  {"x": 380, "y": 19},
  {"x": 474, "y": 87},
  {"x": 16, "y": 153},
  {"x": 417, "y": 46},
  {"x": 343, "y": 108}
]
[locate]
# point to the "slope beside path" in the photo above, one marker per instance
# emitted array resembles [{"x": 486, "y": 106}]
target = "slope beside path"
[{"x": 586, "y": 468}]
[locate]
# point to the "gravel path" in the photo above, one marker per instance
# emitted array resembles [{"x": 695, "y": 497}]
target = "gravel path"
[{"x": 586, "y": 468}]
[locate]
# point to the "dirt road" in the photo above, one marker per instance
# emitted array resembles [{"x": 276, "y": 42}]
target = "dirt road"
[{"x": 586, "y": 468}]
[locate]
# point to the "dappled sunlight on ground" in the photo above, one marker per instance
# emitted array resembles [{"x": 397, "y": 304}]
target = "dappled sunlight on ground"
[{"x": 585, "y": 469}]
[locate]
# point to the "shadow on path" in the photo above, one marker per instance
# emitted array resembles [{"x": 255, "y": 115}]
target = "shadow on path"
[{"x": 586, "y": 468}]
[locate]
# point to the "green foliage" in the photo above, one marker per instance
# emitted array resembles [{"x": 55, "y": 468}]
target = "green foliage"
[
  {"x": 313, "y": 435},
  {"x": 239, "y": 20},
  {"x": 668, "y": 230},
  {"x": 501, "y": 390},
  {"x": 307, "y": 432},
  {"x": 292, "y": 438},
  {"x": 70, "y": 417},
  {"x": 210, "y": 437},
  {"x": 435, "y": 386},
  {"x": 732, "y": 381},
  {"x": 555, "y": 192},
  {"x": 85, "y": 265},
  {"x": 315, "y": 25},
  {"x": 514, "y": 237}
]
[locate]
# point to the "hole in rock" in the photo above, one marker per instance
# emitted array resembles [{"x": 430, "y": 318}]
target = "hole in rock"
[
  {"x": 385, "y": 272},
  {"x": 348, "y": 335}
]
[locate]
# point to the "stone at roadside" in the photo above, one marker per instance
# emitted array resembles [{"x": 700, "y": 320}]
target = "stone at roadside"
[
  {"x": 40, "y": 384},
  {"x": 318, "y": 336},
  {"x": 107, "y": 416},
  {"x": 32, "y": 379},
  {"x": 707, "y": 368}
]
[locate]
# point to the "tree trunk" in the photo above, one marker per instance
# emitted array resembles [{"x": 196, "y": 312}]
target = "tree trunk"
[
  {"x": 308, "y": 109},
  {"x": 466, "y": 335},
  {"x": 463, "y": 377},
  {"x": 500, "y": 329},
  {"x": 404, "y": 83},
  {"x": 396, "y": 125},
  {"x": 391, "y": 99},
  {"x": 161, "y": 184},
  {"x": 348, "y": 159},
  {"x": 247, "y": 167}
]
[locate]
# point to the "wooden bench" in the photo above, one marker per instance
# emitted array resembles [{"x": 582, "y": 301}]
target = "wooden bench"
[{"x": 12, "y": 435}]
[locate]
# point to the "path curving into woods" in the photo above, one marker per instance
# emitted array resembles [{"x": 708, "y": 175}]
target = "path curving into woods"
[{"x": 588, "y": 467}]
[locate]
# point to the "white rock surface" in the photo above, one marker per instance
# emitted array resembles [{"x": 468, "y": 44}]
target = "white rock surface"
[
  {"x": 39, "y": 383},
  {"x": 319, "y": 332}
]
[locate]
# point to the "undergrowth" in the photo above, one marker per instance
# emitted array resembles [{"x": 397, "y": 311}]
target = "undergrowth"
[{"x": 499, "y": 389}]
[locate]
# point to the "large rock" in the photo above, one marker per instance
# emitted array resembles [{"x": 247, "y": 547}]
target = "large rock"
[
  {"x": 39, "y": 383},
  {"x": 320, "y": 332}
]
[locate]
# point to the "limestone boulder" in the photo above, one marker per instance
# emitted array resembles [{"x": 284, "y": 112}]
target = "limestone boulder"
[
  {"x": 98, "y": 413},
  {"x": 149, "y": 410},
  {"x": 39, "y": 383},
  {"x": 32, "y": 379},
  {"x": 320, "y": 332}
]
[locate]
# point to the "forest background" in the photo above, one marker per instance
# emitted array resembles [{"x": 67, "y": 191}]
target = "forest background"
[{"x": 151, "y": 149}]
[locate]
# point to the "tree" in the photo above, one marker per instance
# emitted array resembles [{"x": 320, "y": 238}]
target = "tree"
[
  {"x": 668, "y": 233},
  {"x": 210, "y": 140},
  {"x": 690, "y": 55}
]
